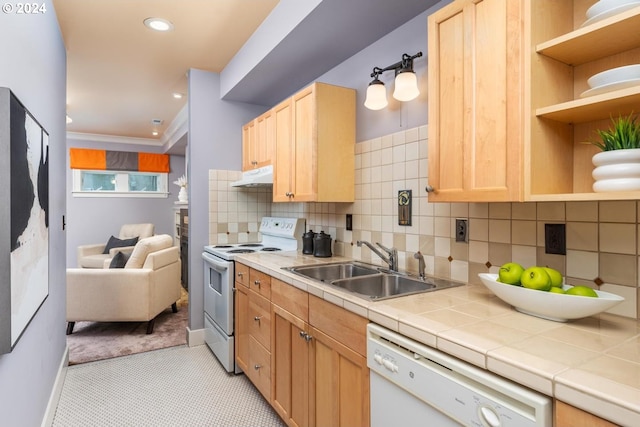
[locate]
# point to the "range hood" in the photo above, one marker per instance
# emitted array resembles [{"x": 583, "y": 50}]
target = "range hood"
[{"x": 260, "y": 177}]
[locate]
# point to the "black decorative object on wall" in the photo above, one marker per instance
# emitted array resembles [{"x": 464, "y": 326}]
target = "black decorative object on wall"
[
  {"x": 404, "y": 207},
  {"x": 24, "y": 213}
]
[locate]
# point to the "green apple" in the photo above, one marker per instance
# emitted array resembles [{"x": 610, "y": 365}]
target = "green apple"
[
  {"x": 583, "y": 291},
  {"x": 555, "y": 276},
  {"x": 536, "y": 278},
  {"x": 556, "y": 290},
  {"x": 510, "y": 273}
]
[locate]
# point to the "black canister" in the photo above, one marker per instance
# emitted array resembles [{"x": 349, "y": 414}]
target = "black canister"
[
  {"x": 307, "y": 242},
  {"x": 322, "y": 245}
]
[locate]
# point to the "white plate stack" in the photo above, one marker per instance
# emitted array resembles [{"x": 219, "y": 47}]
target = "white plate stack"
[
  {"x": 613, "y": 79},
  {"x": 606, "y": 8}
]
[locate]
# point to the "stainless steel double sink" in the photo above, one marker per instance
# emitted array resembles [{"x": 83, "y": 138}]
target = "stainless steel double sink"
[{"x": 369, "y": 281}]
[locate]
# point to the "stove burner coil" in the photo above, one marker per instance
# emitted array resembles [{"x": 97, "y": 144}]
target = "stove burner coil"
[
  {"x": 251, "y": 245},
  {"x": 240, "y": 251},
  {"x": 223, "y": 246},
  {"x": 271, "y": 249}
]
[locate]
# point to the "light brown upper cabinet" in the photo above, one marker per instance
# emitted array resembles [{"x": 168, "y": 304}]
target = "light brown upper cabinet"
[
  {"x": 315, "y": 146},
  {"x": 506, "y": 118},
  {"x": 476, "y": 101},
  {"x": 258, "y": 142}
]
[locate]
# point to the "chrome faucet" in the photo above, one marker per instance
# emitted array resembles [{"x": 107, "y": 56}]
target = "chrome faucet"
[
  {"x": 421, "y": 265},
  {"x": 391, "y": 259}
]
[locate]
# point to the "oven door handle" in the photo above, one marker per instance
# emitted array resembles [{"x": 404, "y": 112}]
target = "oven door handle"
[{"x": 219, "y": 266}]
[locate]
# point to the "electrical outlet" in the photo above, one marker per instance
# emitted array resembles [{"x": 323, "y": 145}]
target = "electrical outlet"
[
  {"x": 555, "y": 239},
  {"x": 461, "y": 230}
]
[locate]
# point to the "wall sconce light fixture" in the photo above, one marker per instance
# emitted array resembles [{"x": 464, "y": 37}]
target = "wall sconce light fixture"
[{"x": 406, "y": 83}]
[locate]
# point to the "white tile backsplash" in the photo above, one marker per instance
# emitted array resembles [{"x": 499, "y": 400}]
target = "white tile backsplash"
[{"x": 498, "y": 232}]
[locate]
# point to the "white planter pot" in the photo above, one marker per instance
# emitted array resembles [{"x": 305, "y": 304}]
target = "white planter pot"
[
  {"x": 617, "y": 170},
  {"x": 182, "y": 194}
]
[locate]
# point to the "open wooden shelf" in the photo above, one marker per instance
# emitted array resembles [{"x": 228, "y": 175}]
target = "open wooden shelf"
[
  {"x": 612, "y": 35},
  {"x": 597, "y": 107}
]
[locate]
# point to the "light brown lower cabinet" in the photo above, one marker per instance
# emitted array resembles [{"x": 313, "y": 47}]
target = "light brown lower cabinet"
[
  {"x": 566, "y": 415},
  {"x": 319, "y": 373},
  {"x": 253, "y": 327},
  {"x": 241, "y": 314},
  {"x": 339, "y": 382},
  {"x": 290, "y": 367}
]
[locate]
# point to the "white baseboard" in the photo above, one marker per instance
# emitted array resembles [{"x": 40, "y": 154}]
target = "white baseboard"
[
  {"x": 195, "y": 337},
  {"x": 57, "y": 390}
]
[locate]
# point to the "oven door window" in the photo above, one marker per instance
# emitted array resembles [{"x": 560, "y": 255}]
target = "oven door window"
[{"x": 215, "y": 280}]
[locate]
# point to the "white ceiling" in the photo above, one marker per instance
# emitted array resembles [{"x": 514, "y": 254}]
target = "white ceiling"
[{"x": 121, "y": 75}]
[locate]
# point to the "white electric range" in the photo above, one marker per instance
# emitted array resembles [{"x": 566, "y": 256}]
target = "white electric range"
[{"x": 278, "y": 234}]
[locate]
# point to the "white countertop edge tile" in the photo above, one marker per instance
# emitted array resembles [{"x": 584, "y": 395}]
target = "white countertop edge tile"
[
  {"x": 605, "y": 390},
  {"x": 596, "y": 405},
  {"x": 462, "y": 352},
  {"x": 521, "y": 376},
  {"x": 382, "y": 320}
]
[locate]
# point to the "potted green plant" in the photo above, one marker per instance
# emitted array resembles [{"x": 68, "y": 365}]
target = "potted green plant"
[{"x": 617, "y": 167}]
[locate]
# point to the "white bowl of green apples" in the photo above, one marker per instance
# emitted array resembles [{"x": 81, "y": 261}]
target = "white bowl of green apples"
[{"x": 541, "y": 292}]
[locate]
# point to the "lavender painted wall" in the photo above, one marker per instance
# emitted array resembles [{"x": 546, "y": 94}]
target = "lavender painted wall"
[
  {"x": 215, "y": 142},
  {"x": 355, "y": 72},
  {"x": 93, "y": 220},
  {"x": 33, "y": 66}
]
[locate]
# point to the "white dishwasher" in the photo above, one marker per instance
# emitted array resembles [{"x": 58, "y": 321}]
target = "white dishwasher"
[{"x": 416, "y": 385}]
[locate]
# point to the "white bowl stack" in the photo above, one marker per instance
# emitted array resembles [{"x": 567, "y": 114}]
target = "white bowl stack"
[
  {"x": 606, "y": 8},
  {"x": 613, "y": 79}
]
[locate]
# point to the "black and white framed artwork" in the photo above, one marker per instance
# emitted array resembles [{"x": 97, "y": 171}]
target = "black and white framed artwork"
[{"x": 24, "y": 209}]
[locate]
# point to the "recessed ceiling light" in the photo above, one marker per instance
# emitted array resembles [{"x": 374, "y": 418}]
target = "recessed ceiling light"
[
  {"x": 158, "y": 24},
  {"x": 154, "y": 133},
  {"x": 177, "y": 95}
]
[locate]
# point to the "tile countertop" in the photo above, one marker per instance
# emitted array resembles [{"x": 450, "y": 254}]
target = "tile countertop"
[{"x": 591, "y": 363}]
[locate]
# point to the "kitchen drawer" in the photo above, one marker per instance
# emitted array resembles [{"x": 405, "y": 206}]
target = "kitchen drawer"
[
  {"x": 242, "y": 274},
  {"x": 342, "y": 325},
  {"x": 292, "y": 299},
  {"x": 260, "y": 282},
  {"x": 259, "y": 321},
  {"x": 259, "y": 371}
]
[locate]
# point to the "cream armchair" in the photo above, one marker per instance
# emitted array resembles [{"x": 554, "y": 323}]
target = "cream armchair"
[
  {"x": 148, "y": 283},
  {"x": 92, "y": 256}
]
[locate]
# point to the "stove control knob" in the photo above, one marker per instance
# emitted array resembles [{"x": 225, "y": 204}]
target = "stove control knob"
[{"x": 377, "y": 358}]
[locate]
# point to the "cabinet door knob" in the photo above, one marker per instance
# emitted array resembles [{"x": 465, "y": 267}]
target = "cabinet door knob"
[
  {"x": 307, "y": 337},
  {"x": 257, "y": 283},
  {"x": 257, "y": 318},
  {"x": 256, "y": 367},
  {"x": 430, "y": 189},
  {"x": 240, "y": 274}
]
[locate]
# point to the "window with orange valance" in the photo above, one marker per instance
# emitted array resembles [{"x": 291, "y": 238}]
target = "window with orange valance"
[{"x": 87, "y": 158}]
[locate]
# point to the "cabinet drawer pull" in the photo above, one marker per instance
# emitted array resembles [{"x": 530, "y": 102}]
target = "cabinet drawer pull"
[
  {"x": 256, "y": 367},
  {"x": 306, "y": 336},
  {"x": 257, "y": 318},
  {"x": 256, "y": 282},
  {"x": 240, "y": 274}
]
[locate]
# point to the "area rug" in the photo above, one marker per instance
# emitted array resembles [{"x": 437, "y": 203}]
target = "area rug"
[{"x": 93, "y": 341}]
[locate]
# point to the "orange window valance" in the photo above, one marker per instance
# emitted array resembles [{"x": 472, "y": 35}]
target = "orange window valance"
[{"x": 87, "y": 158}]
